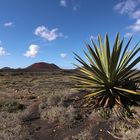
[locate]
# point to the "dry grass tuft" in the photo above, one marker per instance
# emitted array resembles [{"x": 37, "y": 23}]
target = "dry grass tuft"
[
  {"x": 11, "y": 127},
  {"x": 11, "y": 106},
  {"x": 59, "y": 114}
]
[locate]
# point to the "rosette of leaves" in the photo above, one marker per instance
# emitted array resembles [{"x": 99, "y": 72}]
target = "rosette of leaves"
[{"x": 109, "y": 74}]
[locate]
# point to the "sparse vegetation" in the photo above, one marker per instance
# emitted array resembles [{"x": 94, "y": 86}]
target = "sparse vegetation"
[
  {"x": 55, "y": 110},
  {"x": 11, "y": 127},
  {"x": 11, "y": 106},
  {"x": 125, "y": 130},
  {"x": 59, "y": 114}
]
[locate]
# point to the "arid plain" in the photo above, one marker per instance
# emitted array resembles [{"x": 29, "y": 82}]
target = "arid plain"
[{"x": 46, "y": 106}]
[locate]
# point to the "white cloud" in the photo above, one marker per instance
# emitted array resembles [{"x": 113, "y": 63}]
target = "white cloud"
[
  {"x": 63, "y": 55},
  {"x": 126, "y": 6},
  {"x": 2, "y": 51},
  {"x": 63, "y": 3},
  {"x": 32, "y": 51},
  {"x": 72, "y": 4},
  {"x": 8, "y": 24},
  {"x": 130, "y": 8},
  {"x": 135, "y": 27},
  {"x": 47, "y": 34},
  {"x": 135, "y": 15}
]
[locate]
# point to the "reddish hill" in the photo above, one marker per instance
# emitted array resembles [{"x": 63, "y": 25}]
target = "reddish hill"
[{"x": 42, "y": 66}]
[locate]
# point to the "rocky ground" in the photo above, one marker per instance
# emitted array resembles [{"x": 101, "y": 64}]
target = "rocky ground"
[{"x": 43, "y": 106}]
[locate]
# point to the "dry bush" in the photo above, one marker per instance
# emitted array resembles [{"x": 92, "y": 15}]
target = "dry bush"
[
  {"x": 8, "y": 120},
  {"x": 30, "y": 113},
  {"x": 55, "y": 98},
  {"x": 11, "y": 106},
  {"x": 59, "y": 114},
  {"x": 52, "y": 100},
  {"x": 11, "y": 127},
  {"x": 119, "y": 128},
  {"x": 19, "y": 132},
  {"x": 126, "y": 130}
]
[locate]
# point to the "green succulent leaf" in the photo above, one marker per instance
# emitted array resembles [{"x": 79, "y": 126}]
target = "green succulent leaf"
[{"x": 109, "y": 73}]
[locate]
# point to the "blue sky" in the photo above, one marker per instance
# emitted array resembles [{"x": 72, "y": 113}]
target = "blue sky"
[{"x": 50, "y": 30}]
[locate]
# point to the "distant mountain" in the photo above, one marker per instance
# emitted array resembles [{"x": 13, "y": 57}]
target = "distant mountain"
[
  {"x": 42, "y": 66},
  {"x": 6, "y": 68}
]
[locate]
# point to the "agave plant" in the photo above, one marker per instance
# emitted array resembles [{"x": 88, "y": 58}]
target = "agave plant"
[{"x": 109, "y": 74}]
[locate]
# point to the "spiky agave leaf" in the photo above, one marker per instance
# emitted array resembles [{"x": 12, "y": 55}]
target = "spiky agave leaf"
[{"x": 107, "y": 71}]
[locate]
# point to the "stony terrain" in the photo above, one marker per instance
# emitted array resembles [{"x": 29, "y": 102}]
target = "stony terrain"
[{"x": 43, "y": 106}]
